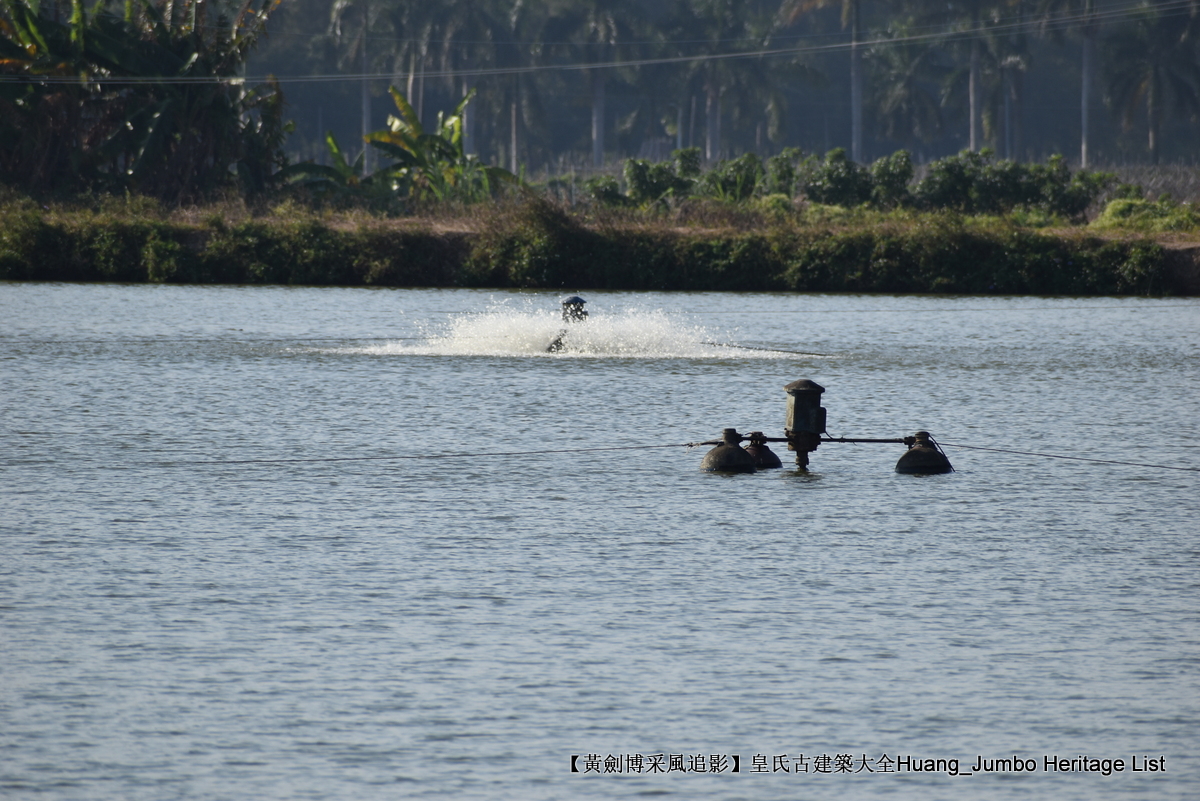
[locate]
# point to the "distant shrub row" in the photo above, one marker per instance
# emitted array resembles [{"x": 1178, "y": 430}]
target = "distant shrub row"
[
  {"x": 539, "y": 245},
  {"x": 970, "y": 183}
]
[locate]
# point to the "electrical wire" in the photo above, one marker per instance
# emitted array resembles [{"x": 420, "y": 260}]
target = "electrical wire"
[
  {"x": 544, "y": 452},
  {"x": 219, "y": 463},
  {"x": 1072, "y": 458},
  {"x": 767, "y": 350},
  {"x": 1168, "y": 9}
]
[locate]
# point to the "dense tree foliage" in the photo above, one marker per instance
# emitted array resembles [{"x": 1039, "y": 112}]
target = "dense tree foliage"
[
  {"x": 146, "y": 101},
  {"x": 1152, "y": 62},
  {"x": 573, "y": 84},
  {"x": 161, "y": 96}
]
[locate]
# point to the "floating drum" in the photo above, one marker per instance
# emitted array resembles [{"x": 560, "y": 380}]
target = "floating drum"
[
  {"x": 764, "y": 457},
  {"x": 729, "y": 456},
  {"x": 923, "y": 457}
]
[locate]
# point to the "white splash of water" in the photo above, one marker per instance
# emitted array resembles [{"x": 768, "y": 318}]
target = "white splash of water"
[{"x": 630, "y": 333}]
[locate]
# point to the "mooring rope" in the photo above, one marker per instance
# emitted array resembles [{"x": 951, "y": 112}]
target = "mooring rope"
[{"x": 1072, "y": 458}]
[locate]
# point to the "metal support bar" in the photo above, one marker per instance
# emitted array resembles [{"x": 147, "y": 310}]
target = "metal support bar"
[{"x": 897, "y": 441}]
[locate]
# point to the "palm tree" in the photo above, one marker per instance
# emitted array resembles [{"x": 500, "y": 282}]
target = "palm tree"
[
  {"x": 1003, "y": 61},
  {"x": 972, "y": 22},
  {"x": 655, "y": 107},
  {"x": 1154, "y": 60},
  {"x": 1015, "y": 63},
  {"x": 1084, "y": 19},
  {"x": 352, "y": 22},
  {"x": 905, "y": 75},
  {"x": 590, "y": 31},
  {"x": 514, "y": 102},
  {"x": 511, "y": 54},
  {"x": 988, "y": 57},
  {"x": 745, "y": 87},
  {"x": 413, "y": 26},
  {"x": 756, "y": 100},
  {"x": 468, "y": 31},
  {"x": 852, "y": 18}
]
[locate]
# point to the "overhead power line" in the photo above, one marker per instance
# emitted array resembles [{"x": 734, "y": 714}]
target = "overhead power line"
[{"x": 1011, "y": 25}]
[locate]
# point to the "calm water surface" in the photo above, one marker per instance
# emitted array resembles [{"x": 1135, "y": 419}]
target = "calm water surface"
[{"x": 181, "y": 618}]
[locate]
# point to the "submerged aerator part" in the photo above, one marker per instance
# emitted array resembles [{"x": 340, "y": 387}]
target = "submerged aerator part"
[
  {"x": 729, "y": 456},
  {"x": 923, "y": 456},
  {"x": 572, "y": 309},
  {"x": 805, "y": 418},
  {"x": 573, "y": 312},
  {"x": 764, "y": 457}
]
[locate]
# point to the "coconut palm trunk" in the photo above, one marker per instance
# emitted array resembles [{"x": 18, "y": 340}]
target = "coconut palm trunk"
[
  {"x": 1152, "y": 120},
  {"x": 1089, "y": 46},
  {"x": 712, "y": 113},
  {"x": 366, "y": 97},
  {"x": 973, "y": 96},
  {"x": 597, "y": 77},
  {"x": 856, "y": 88},
  {"x": 468, "y": 120},
  {"x": 1089, "y": 29},
  {"x": 512, "y": 141}
]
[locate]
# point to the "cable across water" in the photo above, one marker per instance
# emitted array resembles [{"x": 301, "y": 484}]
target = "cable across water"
[
  {"x": 639, "y": 446},
  {"x": 1072, "y": 458}
]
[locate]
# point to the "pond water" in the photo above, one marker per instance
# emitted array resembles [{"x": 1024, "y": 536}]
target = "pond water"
[{"x": 304, "y": 543}]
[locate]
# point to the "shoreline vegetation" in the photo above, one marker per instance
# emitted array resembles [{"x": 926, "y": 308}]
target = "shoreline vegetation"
[
  {"x": 131, "y": 150},
  {"x": 969, "y": 224},
  {"x": 533, "y": 242}
]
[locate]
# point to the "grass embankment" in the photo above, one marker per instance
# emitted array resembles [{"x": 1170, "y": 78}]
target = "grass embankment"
[{"x": 533, "y": 243}]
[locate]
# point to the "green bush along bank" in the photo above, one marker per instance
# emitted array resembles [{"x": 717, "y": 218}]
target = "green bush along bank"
[
  {"x": 968, "y": 183},
  {"x": 307, "y": 251},
  {"x": 942, "y": 253},
  {"x": 539, "y": 245}
]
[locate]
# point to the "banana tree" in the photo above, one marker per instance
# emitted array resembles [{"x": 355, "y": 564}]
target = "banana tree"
[
  {"x": 342, "y": 176},
  {"x": 434, "y": 165}
]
